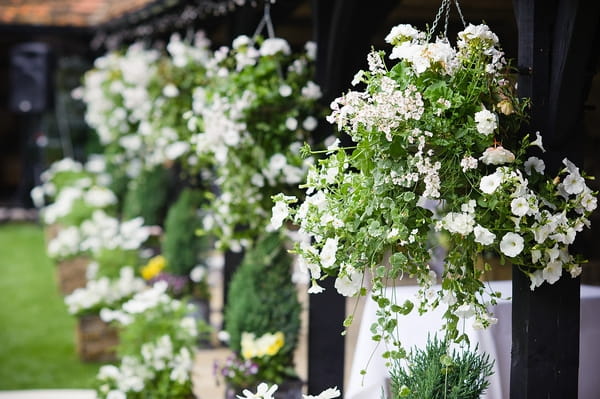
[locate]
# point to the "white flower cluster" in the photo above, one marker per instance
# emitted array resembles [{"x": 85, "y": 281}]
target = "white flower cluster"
[
  {"x": 68, "y": 184},
  {"x": 135, "y": 373},
  {"x": 104, "y": 292},
  {"x": 263, "y": 391},
  {"x": 102, "y": 231},
  {"x": 98, "y": 233}
]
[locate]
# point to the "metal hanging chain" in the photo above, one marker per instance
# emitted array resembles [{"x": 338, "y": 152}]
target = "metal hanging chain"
[
  {"x": 265, "y": 21},
  {"x": 462, "y": 18},
  {"x": 444, "y": 11}
]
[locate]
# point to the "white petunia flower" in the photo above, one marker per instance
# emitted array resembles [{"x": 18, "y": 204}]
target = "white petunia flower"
[
  {"x": 483, "y": 235},
  {"x": 263, "y": 391},
  {"x": 511, "y": 244},
  {"x": 311, "y": 91},
  {"x": 536, "y": 279},
  {"x": 291, "y": 123},
  {"x": 534, "y": 163},
  {"x": 280, "y": 213},
  {"x": 460, "y": 223},
  {"x": 465, "y": 311},
  {"x": 273, "y": 46},
  {"x": 311, "y": 50},
  {"x": 538, "y": 141},
  {"x": 552, "y": 272},
  {"x": 170, "y": 90},
  {"x": 310, "y": 123},
  {"x": 497, "y": 156},
  {"x": 490, "y": 183},
  {"x": 519, "y": 206},
  {"x": 349, "y": 285},
  {"x": 198, "y": 273},
  {"x": 329, "y": 393},
  {"x": 573, "y": 183},
  {"x": 285, "y": 90},
  {"x": 328, "y": 252}
]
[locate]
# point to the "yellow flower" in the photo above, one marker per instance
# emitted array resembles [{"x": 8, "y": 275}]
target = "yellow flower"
[
  {"x": 154, "y": 266},
  {"x": 249, "y": 349},
  {"x": 276, "y": 344}
]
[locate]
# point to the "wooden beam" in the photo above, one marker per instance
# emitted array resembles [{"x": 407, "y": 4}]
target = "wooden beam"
[
  {"x": 556, "y": 47},
  {"x": 343, "y": 32}
]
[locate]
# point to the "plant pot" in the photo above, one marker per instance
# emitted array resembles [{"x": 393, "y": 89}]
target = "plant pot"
[
  {"x": 71, "y": 274},
  {"x": 289, "y": 389},
  {"x": 96, "y": 340}
]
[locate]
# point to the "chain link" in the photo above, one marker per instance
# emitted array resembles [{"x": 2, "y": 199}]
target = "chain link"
[{"x": 444, "y": 11}]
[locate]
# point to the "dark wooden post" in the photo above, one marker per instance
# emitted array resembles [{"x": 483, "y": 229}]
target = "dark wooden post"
[
  {"x": 555, "y": 48},
  {"x": 343, "y": 31}
]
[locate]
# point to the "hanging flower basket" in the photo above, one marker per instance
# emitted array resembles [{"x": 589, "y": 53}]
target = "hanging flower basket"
[{"x": 96, "y": 340}]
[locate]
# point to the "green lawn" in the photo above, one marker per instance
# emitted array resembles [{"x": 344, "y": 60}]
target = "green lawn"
[{"x": 37, "y": 348}]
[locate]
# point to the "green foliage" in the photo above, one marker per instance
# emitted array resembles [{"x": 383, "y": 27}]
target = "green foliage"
[
  {"x": 37, "y": 350},
  {"x": 262, "y": 298},
  {"x": 146, "y": 196},
  {"x": 435, "y": 373},
  {"x": 181, "y": 245}
]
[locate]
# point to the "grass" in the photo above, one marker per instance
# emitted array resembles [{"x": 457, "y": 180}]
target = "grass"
[{"x": 37, "y": 347}]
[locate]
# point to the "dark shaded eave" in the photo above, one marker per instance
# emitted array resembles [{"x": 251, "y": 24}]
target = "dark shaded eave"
[{"x": 46, "y": 29}]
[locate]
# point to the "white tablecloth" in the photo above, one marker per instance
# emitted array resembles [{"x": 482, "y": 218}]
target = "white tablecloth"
[{"x": 496, "y": 341}]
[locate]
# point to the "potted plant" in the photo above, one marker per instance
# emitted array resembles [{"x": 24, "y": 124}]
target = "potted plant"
[
  {"x": 97, "y": 340},
  {"x": 437, "y": 149},
  {"x": 156, "y": 349},
  {"x": 438, "y": 372},
  {"x": 262, "y": 319}
]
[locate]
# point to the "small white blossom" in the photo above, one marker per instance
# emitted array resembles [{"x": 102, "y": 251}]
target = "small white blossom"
[
  {"x": 467, "y": 163},
  {"x": 465, "y": 311},
  {"x": 490, "y": 183},
  {"x": 285, "y": 90},
  {"x": 538, "y": 141},
  {"x": 350, "y": 284},
  {"x": 534, "y": 163},
  {"x": 483, "y": 235},
  {"x": 328, "y": 252},
  {"x": 310, "y": 123},
  {"x": 552, "y": 272},
  {"x": 329, "y": 393},
  {"x": 487, "y": 122},
  {"x": 511, "y": 244},
  {"x": 291, "y": 123},
  {"x": 280, "y": 213},
  {"x": 519, "y": 206}
]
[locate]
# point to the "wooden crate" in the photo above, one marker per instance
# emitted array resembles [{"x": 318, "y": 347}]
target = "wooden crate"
[
  {"x": 96, "y": 340},
  {"x": 71, "y": 274}
]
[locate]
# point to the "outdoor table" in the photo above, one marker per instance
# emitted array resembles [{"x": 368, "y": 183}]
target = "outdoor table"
[{"x": 496, "y": 341}]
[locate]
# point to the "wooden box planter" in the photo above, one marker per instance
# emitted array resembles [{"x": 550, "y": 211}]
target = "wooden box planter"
[
  {"x": 96, "y": 340},
  {"x": 71, "y": 274}
]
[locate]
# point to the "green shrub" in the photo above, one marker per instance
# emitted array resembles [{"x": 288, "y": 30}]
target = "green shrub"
[
  {"x": 437, "y": 373},
  {"x": 146, "y": 196},
  {"x": 182, "y": 246},
  {"x": 262, "y": 298}
]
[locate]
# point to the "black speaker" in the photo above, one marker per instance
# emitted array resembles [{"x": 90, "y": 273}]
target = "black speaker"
[{"x": 30, "y": 78}]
